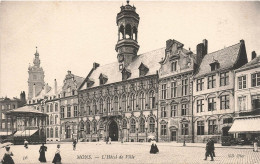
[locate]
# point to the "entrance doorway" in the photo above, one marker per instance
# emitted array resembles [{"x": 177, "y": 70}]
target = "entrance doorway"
[
  {"x": 113, "y": 131},
  {"x": 68, "y": 132},
  {"x": 173, "y": 136},
  {"x": 225, "y": 131}
]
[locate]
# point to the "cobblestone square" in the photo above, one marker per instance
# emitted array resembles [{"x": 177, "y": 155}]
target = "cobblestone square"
[{"x": 131, "y": 153}]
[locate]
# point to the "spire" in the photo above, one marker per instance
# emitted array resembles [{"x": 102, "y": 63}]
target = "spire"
[{"x": 36, "y": 50}]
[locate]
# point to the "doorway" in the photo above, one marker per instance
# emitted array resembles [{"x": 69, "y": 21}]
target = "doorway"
[
  {"x": 113, "y": 131},
  {"x": 68, "y": 132},
  {"x": 173, "y": 135}
]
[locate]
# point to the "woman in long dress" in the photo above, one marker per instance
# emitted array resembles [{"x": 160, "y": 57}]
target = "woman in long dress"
[
  {"x": 7, "y": 159},
  {"x": 42, "y": 153},
  {"x": 57, "y": 157},
  {"x": 154, "y": 149}
]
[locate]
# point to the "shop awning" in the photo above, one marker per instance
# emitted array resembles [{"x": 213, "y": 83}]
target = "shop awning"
[
  {"x": 246, "y": 125},
  {"x": 5, "y": 133},
  {"x": 25, "y": 133}
]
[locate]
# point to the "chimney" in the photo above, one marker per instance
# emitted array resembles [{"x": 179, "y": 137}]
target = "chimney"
[
  {"x": 95, "y": 65},
  {"x": 34, "y": 91},
  {"x": 242, "y": 41},
  {"x": 253, "y": 55},
  {"x": 55, "y": 86},
  {"x": 69, "y": 72},
  {"x": 205, "y": 42}
]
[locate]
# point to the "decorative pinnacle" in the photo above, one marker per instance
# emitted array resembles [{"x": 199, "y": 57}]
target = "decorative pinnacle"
[
  {"x": 127, "y": 1},
  {"x": 36, "y": 49}
]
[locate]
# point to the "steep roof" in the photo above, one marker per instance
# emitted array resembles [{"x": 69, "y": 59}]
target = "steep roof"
[
  {"x": 150, "y": 59},
  {"x": 226, "y": 58},
  {"x": 255, "y": 61}
]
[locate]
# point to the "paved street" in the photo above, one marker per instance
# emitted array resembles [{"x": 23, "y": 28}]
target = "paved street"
[{"x": 131, "y": 153}]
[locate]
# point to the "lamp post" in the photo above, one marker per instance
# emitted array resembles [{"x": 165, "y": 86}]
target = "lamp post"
[
  {"x": 137, "y": 134},
  {"x": 146, "y": 134}
]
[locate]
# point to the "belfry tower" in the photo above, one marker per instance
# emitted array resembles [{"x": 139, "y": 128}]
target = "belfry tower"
[
  {"x": 36, "y": 77},
  {"x": 127, "y": 46}
]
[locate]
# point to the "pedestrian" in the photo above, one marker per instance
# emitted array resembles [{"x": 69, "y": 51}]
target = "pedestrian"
[
  {"x": 209, "y": 149},
  {"x": 213, "y": 147},
  {"x": 255, "y": 142},
  {"x": 154, "y": 149},
  {"x": 74, "y": 144},
  {"x": 25, "y": 143},
  {"x": 7, "y": 159},
  {"x": 57, "y": 157},
  {"x": 106, "y": 138},
  {"x": 42, "y": 151},
  {"x": 109, "y": 139}
]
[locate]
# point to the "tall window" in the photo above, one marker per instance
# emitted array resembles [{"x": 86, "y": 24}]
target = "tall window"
[
  {"x": 124, "y": 124},
  {"x": 184, "y": 109},
  {"x": 200, "y": 127},
  {"x": 51, "y": 120},
  {"x": 56, "y": 107},
  {"x": 142, "y": 101},
  {"x": 242, "y": 103},
  {"x": 56, "y": 119},
  {"x": 224, "y": 79},
  {"x": 124, "y": 107},
  {"x": 241, "y": 82},
  {"x": 152, "y": 124},
  {"x": 164, "y": 91},
  {"x": 212, "y": 127},
  {"x": 48, "y": 133},
  {"x": 151, "y": 100},
  {"x": 163, "y": 129},
  {"x": 174, "y": 66},
  {"x": 184, "y": 129},
  {"x": 142, "y": 125},
  {"x": 173, "y": 110},
  {"x": 51, "y": 108},
  {"x": 200, "y": 106},
  {"x": 256, "y": 102},
  {"x": 163, "y": 110},
  {"x": 51, "y": 132},
  {"x": 88, "y": 108},
  {"x": 101, "y": 105},
  {"x": 184, "y": 84},
  {"x": 200, "y": 84},
  {"x": 173, "y": 89},
  {"x": 56, "y": 133},
  {"x": 116, "y": 103},
  {"x": 75, "y": 111},
  {"x": 211, "y": 81},
  {"x": 255, "y": 79},
  {"x": 224, "y": 102},
  {"x": 211, "y": 104},
  {"x": 132, "y": 125},
  {"x": 62, "y": 112},
  {"x": 48, "y": 108},
  {"x": 68, "y": 111},
  {"x": 88, "y": 128},
  {"x": 132, "y": 102},
  {"x": 108, "y": 105},
  {"x": 94, "y": 127},
  {"x": 94, "y": 107}
]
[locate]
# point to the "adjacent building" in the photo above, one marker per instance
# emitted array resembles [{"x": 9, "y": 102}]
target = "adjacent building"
[{"x": 213, "y": 92}]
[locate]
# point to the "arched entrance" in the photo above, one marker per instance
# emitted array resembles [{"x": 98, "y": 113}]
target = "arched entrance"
[{"x": 113, "y": 131}]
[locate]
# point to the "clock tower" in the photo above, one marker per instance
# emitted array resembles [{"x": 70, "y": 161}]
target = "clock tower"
[
  {"x": 36, "y": 77},
  {"x": 127, "y": 46}
]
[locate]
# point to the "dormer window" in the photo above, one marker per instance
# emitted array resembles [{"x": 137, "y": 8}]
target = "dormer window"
[
  {"x": 102, "y": 79},
  {"x": 214, "y": 65},
  {"x": 125, "y": 74},
  {"x": 143, "y": 69},
  {"x": 174, "y": 66},
  {"x": 90, "y": 82}
]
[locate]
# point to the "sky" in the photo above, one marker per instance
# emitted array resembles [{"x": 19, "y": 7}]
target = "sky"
[{"x": 73, "y": 35}]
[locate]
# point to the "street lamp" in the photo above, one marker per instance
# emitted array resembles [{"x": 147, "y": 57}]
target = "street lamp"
[{"x": 137, "y": 133}]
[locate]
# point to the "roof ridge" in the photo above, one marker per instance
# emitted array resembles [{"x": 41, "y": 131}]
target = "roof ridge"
[
  {"x": 151, "y": 51},
  {"x": 223, "y": 48}
]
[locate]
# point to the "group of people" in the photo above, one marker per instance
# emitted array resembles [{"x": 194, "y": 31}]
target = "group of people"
[
  {"x": 57, "y": 156},
  {"x": 210, "y": 149}
]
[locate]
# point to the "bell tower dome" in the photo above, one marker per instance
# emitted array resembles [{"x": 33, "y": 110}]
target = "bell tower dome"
[{"x": 127, "y": 46}]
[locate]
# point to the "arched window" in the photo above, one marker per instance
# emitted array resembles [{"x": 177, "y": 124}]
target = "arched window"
[
  {"x": 51, "y": 108},
  {"x": 94, "y": 107},
  {"x": 151, "y": 100},
  {"x": 88, "y": 108},
  {"x": 128, "y": 31},
  {"x": 142, "y": 125},
  {"x": 48, "y": 133},
  {"x": 56, "y": 133},
  {"x": 116, "y": 103},
  {"x": 121, "y": 33},
  {"x": 56, "y": 107},
  {"x": 108, "y": 105},
  {"x": 94, "y": 127},
  {"x": 151, "y": 124},
  {"x": 132, "y": 123},
  {"x": 142, "y": 101},
  {"x": 132, "y": 102},
  {"x": 51, "y": 132},
  {"x": 47, "y": 120},
  {"x": 124, "y": 124},
  {"x": 163, "y": 128},
  {"x": 100, "y": 125},
  {"x": 51, "y": 120},
  {"x": 81, "y": 126},
  {"x": 101, "y": 105},
  {"x": 124, "y": 107},
  {"x": 88, "y": 128},
  {"x": 135, "y": 33}
]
